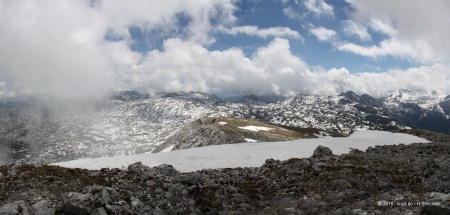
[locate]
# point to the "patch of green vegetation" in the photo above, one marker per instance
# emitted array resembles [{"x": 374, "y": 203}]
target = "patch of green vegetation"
[
  {"x": 251, "y": 190},
  {"x": 429, "y": 135},
  {"x": 153, "y": 187},
  {"x": 230, "y": 131},
  {"x": 67, "y": 174},
  {"x": 299, "y": 129},
  {"x": 309, "y": 131},
  {"x": 359, "y": 170},
  {"x": 25, "y": 168},
  {"x": 4, "y": 170}
]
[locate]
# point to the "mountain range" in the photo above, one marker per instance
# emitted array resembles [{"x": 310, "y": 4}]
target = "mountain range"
[{"x": 128, "y": 122}]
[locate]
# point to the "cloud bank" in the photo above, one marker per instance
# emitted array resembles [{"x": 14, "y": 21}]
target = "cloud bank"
[
  {"x": 82, "y": 48},
  {"x": 415, "y": 30}
]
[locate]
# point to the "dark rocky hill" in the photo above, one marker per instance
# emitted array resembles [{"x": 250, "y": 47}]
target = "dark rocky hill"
[{"x": 396, "y": 179}]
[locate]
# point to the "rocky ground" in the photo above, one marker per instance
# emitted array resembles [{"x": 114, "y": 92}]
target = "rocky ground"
[{"x": 400, "y": 179}]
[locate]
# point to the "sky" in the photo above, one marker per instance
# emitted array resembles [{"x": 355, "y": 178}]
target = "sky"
[{"x": 78, "y": 48}]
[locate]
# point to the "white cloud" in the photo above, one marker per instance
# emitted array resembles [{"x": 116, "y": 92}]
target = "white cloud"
[
  {"x": 263, "y": 33},
  {"x": 323, "y": 34},
  {"x": 353, "y": 28},
  {"x": 434, "y": 77},
  {"x": 419, "y": 29},
  {"x": 292, "y": 14},
  {"x": 413, "y": 50},
  {"x": 319, "y": 7},
  {"x": 382, "y": 27},
  {"x": 59, "y": 47},
  {"x": 185, "y": 66},
  {"x": 272, "y": 69}
]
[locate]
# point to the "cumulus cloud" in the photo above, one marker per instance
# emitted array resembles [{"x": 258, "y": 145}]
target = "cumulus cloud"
[
  {"x": 425, "y": 78},
  {"x": 272, "y": 69},
  {"x": 59, "y": 47},
  {"x": 353, "y": 28},
  {"x": 421, "y": 24},
  {"x": 188, "y": 66},
  {"x": 291, "y": 13},
  {"x": 323, "y": 34},
  {"x": 263, "y": 33},
  {"x": 382, "y": 27},
  {"x": 319, "y": 7},
  {"x": 404, "y": 49}
]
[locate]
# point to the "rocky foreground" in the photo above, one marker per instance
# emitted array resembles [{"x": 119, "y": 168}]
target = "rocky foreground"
[{"x": 401, "y": 179}]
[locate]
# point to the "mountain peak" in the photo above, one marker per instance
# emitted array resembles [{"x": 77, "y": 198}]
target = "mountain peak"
[{"x": 350, "y": 95}]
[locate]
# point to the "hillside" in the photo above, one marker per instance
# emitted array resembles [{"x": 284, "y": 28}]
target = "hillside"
[{"x": 227, "y": 130}]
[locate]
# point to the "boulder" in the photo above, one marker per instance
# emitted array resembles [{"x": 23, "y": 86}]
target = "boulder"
[{"x": 76, "y": 203}]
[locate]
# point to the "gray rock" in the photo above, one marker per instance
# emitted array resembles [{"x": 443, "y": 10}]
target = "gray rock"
[
  {"x": 99, "y": 211},
  {"x": 322, "y": 152},
  {"x": 135, "y": 202},
  {"x": 43, "y": 208},
  {"x": 438, "y": 197},
  {"x": 341, "y": 185},
  {"x": 168, "y": 194},
  {"x": 103, "y": 197},
  {"x": 113, "y": 194},
  {"x": 15, "y": 208},
  {"x": 110, "y": 209},
  {"x": 359, "y": 211},
  {"x": 157, "y": 211},
  {"x": 139, "y": 168},
  {"x": 76, "y": 203}
]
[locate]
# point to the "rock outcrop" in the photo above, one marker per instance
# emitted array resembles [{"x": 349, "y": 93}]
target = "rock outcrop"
[{"x": 396, "y": 179}]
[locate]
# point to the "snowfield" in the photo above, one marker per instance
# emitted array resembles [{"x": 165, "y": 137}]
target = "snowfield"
[{"x": 246, "y": 154}]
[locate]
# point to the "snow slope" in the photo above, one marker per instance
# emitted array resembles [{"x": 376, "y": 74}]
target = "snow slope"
[{"x": 246, "y": 154}]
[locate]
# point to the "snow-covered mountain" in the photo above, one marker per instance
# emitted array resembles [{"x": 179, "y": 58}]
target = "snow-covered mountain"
[
  {"x": 132, "y": 123},
  {"x": 424, "y": 110}
]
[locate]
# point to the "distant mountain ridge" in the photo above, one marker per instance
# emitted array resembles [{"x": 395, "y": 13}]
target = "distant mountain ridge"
[
  {"x": 423, "y": 110},
  {"x": 130, "y": 122}
]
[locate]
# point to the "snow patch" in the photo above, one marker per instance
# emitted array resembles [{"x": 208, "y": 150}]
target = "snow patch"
[
  {"x": 222, "y": 123},
  {"x": 255, "y": 128},
  {"x": 168, "y": 149},
  {"x": 246, "y": 155},
  {"x": 250, "y": 140}
]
